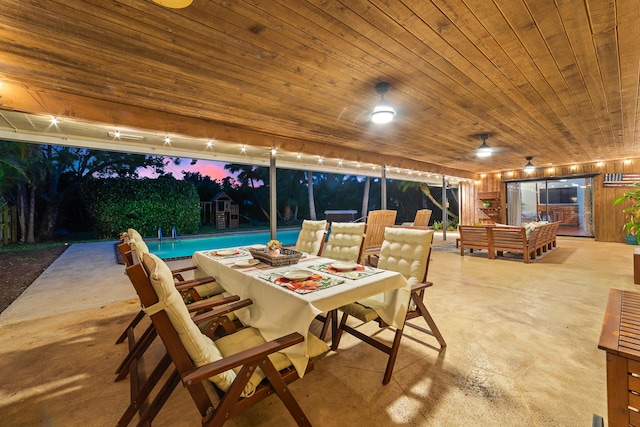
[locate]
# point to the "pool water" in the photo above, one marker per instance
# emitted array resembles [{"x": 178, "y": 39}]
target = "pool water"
[{"x": 185, "y": 247}]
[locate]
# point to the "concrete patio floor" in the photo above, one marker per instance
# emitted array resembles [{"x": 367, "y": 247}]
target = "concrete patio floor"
[{"x": 521, "y": 348}]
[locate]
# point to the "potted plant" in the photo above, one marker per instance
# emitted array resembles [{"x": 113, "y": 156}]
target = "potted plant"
[{"x": 632, "y": 226}]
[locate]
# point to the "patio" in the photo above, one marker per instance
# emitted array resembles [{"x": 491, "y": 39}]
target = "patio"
[{"x": 522, "y": 348}]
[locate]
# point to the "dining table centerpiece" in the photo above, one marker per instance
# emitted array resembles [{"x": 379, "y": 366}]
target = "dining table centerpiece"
[{"x": 273, "y": 247}]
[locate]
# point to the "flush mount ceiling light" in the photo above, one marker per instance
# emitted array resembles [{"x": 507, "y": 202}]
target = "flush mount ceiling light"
[
  {"x": 484, "y": 150},
  {"x": 174, "y": 4},
  {"x": 529, "y": 167},
  {"x": 382, "y": 112}
]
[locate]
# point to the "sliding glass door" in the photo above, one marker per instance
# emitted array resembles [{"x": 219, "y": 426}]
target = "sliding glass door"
[{"x": 568, "y": 201}]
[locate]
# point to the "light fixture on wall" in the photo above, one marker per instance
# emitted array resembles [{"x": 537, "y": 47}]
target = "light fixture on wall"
[
  {"x": 382, "y": 112},
  {"x": 529, "y": 167},
  {"x": 174, "y": 4},
  {"x": 484, "y": 150}
]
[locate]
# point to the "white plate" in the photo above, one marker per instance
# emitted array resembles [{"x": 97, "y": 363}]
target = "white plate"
[
  {"x": 343, "y": 266},
  {"x": 225, "y": 252},
  {"x": 258, "y": 246},
  {"x": 247, "y": 262},
  {"x": 297, "y": 275}
]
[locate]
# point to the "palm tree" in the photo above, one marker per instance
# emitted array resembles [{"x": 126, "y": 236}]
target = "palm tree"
[
  {"x": 247, "y": 176},
  {"x": 424, "y": 188},
  {"x": 312, "y": 202},
  {"x": 365, "y": 197}
]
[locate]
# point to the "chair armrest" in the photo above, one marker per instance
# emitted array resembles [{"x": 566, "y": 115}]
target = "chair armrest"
[
  {"x": 199, "y": 318},
  {"x": 421, "y": 285},
  {"x": 188, "y": 284},
  {"x": 242, "y": 358},
  {"x": 182, "y": 270},
  {"x": 209, "y": 303}
]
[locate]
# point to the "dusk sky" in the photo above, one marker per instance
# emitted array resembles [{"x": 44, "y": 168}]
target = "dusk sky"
[{"x": 213, "y": 169}]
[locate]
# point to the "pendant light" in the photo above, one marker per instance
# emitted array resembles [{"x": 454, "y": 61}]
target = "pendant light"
[
  {"x": 174, "y": 4},
  {"x": 382, "y": 112},
  {"x": 484, "y": 150},
  {"x": 528, "y": 168}
]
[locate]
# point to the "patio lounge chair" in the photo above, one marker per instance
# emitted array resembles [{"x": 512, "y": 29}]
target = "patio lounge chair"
[
  {"x": 377, "y": 221},
  {"x": 406, "y": 251},
  {"x": 241, "y": 368}
]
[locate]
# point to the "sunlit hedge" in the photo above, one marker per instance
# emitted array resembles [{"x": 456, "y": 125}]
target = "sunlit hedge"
[{"x": 116, "y": 204}]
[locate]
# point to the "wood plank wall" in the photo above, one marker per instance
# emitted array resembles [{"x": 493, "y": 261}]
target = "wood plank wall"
[{"x": 608, "y": 219}]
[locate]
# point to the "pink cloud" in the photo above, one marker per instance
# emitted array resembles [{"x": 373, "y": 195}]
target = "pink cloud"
[{"x": 215, "y": 170}]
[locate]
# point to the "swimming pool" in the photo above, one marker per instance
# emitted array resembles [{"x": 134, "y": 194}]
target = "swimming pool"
[{"x": 185, "y": 247}]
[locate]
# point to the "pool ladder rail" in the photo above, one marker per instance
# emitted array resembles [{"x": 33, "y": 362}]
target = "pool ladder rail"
[{"x": 174, "y": 233}]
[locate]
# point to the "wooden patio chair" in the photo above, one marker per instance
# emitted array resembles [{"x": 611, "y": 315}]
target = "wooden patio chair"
[
  {"x": 241, "y": 369},
  {"x": 422, "y": 218},
  {"x": 377, "y": 221},
  {"x": 407, "y": 251},
  {"x": 192, "y": 290},
  {"x": 212, "y": 323},
  {"x": 345, "y": 243},
  {"x": 312, "y": 237}
]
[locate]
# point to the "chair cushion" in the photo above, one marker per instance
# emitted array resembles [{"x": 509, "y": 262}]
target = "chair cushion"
[
  {"x": 315, "y": 346},
  {"x": 137, "y": 243},
  {"x": 310, "y": 237},
  {"x": 245, "y": 339},
  {"x": 406, "y": 251},
  {"x": 359, "y": 311},
  {"x": 200, "y": 348},
  {"x": 344, "y": 241}
]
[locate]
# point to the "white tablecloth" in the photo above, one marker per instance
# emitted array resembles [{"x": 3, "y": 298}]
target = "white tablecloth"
[{"x": 277, "y": 311}]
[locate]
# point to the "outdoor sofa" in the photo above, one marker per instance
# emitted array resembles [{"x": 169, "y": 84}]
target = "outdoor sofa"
[{"x": 531, "y": 240}]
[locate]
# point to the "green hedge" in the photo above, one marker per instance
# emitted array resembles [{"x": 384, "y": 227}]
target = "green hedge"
[{"x": 117, "y": 204}]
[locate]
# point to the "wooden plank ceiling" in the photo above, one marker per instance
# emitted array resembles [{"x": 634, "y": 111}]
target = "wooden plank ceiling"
[{"x": 553, "y": 79}]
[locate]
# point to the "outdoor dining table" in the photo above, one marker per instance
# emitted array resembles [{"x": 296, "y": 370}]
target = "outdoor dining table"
[{"x": 281, "y": 306}]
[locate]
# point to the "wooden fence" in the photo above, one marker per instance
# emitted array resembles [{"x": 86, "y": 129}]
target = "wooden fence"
[{"x": 8, "y": 225}]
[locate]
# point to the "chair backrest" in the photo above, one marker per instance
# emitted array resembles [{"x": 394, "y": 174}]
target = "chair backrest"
[
  {"x": 312, "y": 236},
  {"x": 377, "y": 221},
  {"x": 422, "y": 218},
  {"x": 137, "y": 243},
  {"x": 407, "y": 251},
  {"x": 345, "y": 241}
]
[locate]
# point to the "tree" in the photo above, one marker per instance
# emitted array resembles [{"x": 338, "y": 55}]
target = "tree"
[
  {"x": 249, "y": 175},
  {"x": 50, "y": 174},
  {"x": 22, "y": 170},
  {"x": 365, "y": 197},
  {"x": 312, "y": 202}
]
